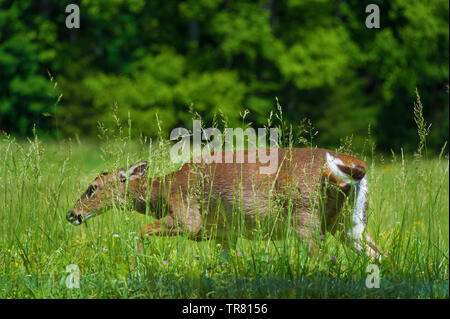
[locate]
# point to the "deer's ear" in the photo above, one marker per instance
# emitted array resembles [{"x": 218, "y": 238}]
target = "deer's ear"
[{"x": 137, "y": 170}]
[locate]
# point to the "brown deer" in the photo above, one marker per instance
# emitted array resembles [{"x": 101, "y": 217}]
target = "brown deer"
[{"x": 311, "y": 188}]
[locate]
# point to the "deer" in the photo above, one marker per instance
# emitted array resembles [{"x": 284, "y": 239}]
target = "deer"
[{"x": 199, "y": 199}]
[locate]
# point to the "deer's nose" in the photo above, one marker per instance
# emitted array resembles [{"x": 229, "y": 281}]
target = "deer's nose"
[
  {"x": 73, "y": 218},
  {"x": 70, "y": 216}
]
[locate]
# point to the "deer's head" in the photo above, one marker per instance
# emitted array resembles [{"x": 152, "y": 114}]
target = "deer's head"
[{"x": 106, "y": 190}]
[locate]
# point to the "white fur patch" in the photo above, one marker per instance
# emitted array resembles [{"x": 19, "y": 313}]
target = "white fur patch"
[
  {"x": 358, "y": 224},
  {"x": 332, "y": 163}
]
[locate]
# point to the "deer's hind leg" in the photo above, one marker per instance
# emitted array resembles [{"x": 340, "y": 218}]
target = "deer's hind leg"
[
  {"x": 353, "y": 231},
  {"x": 305, "y": 221}
]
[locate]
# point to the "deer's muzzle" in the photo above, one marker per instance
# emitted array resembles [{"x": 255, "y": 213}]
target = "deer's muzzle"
[{"x": 73, "y": 218}]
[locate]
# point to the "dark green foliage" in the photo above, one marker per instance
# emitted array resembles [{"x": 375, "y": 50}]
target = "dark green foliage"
[
  {"x": 162, "y": 57},
  {"x": 26, "y": 94}
]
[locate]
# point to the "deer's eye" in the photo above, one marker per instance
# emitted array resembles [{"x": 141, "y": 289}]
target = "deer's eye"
[{"x": 91, "y": 190}]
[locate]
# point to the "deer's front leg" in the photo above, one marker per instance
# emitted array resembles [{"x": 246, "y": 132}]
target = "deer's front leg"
[
  {"x": 184, "y": 217},
  {"x": 163, "y": 226}
]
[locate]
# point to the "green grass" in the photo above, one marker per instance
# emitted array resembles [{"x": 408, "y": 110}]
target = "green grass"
[{"x": 40, "y": 181}]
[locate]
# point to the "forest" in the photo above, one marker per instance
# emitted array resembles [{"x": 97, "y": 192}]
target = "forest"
[{"x": 159, "y": 62}]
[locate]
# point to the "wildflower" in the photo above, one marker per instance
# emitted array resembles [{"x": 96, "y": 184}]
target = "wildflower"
[
  {"x": 197, "y": 256},
  {"x": 239, "y": 254},
  {"x": 322, "y": 236},
  {"x": 116, "y": 235},
  {"x": 417, "y": 223},
  {"x": 201, "y": 272},
  {"x": 166, "y": 262},
  {"x": 333, "y": 258}
]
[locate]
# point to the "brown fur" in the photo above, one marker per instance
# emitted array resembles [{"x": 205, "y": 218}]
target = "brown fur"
[{"x": 193, "y": 194}]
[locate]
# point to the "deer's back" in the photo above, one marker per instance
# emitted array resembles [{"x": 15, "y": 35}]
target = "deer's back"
[{"x": 298, "y": 170}]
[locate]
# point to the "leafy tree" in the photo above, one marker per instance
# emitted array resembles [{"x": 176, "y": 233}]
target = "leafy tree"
[
  {"x": 27, "y": 96},
  {"x": 164, "y": 58}
]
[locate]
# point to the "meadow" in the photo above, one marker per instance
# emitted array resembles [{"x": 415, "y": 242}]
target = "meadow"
[
  {"x": 40, "y": 180},
  {"x": 67, "y": 97}
]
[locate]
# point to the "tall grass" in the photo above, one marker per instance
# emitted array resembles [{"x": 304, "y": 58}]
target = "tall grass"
[{"x": 39, "y": 181}]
